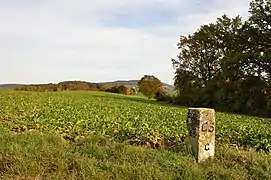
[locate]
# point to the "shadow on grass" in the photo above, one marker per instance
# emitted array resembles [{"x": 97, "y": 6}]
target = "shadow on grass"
[
  {"x": 136, "y": 99},
  {"x": 142, "y": 99}
]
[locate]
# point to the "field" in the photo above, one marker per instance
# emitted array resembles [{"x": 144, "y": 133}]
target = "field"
[{"x": 82, "y": 135}]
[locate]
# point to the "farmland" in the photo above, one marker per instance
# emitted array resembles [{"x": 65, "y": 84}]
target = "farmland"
[{"x": 130, "y": 122}]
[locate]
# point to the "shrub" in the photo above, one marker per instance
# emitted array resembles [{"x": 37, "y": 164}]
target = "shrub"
[
  {"x": 163, "y": 96},
  {"x": 118, "y": 89}
]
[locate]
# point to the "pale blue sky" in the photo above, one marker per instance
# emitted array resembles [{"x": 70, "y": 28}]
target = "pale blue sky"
[{"x": 56, "y": 40}]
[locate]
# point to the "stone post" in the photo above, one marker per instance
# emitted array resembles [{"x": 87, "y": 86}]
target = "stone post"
[{"x": 201, "y": 132}]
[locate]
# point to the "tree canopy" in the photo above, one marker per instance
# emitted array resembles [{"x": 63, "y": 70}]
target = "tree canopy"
[
  {"x": 227, "y": 64},
  {"x": 149, "y": 85}
]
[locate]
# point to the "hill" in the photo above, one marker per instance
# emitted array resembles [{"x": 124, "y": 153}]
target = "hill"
[
  {"x": 10, "y": 86},
  {"x": 133, "y": 84},
  {"x": 128, "y": 83}
]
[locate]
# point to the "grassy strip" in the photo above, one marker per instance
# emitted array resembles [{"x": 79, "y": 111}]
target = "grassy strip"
[{"x": 35, "y": 155}]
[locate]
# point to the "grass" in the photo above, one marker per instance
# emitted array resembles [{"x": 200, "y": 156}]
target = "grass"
[
  {"x": 91, "y": 135},
  {"x": 32, "y": 155}
]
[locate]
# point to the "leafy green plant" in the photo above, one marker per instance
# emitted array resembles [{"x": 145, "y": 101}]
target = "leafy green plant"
[{"x": 75, "y": 115}]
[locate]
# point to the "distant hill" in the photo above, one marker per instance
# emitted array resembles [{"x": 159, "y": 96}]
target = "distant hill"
[
  {"x": 10, "y": 86},
  {"x": 128, "y": 83},
  {"x": 133, "y": 84}
]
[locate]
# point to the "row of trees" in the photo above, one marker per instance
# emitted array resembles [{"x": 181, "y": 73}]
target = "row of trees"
[
  {"x": 148, "y": 85},
  {"x": 62, "y": 86},
  {"x": 76, "y": 86},
  {"x": 227, "y": 65}
]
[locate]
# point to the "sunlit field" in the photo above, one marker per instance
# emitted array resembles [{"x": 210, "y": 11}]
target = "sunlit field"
[{"x": 99, "y": 135}]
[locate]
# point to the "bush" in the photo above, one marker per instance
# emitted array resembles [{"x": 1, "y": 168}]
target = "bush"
[
  {"x": 235, "y": 97},
  {"x": 131, "y": 91},
  {"x": 118, "y": 89},
  {"x": 163, "y": 96}
]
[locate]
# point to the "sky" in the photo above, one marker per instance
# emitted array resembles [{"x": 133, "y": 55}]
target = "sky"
[{"x": 43, "y": 41}]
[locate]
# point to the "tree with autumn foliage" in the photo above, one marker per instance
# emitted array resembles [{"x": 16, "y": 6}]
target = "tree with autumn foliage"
[
  {"x": 149, "y": 85},
  {"x": 226, "y": 65}
]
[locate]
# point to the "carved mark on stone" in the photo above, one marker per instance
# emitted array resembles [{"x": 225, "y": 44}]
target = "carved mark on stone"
[
  {"x": 204, "y": 127},
  {"x": 207, "y": 148},
  {"x": 212, "y": 127}
]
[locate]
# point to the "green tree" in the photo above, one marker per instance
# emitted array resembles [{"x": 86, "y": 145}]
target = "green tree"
[
  {"x": 149, "y": 85},
  {"x": 209, "y": 54},
  {"x": 258, "y": 34},
  {"x": 227, "y": 65}
]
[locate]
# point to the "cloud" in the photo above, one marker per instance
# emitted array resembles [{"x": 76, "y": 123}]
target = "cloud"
[{"x": 55, "y": 40}]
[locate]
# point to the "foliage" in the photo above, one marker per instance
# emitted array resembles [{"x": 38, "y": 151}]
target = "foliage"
[
  {"x": 227, "y": 65},
  {"x": 149, "y": 85},
  {"x": 62, "y": 86},
  {"x": 163, "y": 96},
  {"x": 104, "y": 88},
  {"x": 258, "y": 31},
  {"x": 75, "y": 115},
  {"x": 121, "y": 89},
  {"x": 76, "y": 86}
]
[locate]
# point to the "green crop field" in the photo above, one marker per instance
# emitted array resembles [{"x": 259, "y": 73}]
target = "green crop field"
[{"x": 66, "y": 122}]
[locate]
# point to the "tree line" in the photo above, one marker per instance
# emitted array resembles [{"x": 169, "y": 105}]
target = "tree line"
[
  {"x": 77, "y": 86},
  {"x": 149, "y": 85},
  {"x": 226, "y": 65}
]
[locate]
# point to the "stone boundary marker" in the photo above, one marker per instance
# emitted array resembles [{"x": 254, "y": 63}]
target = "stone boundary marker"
[{"x": 201, "y": 132}]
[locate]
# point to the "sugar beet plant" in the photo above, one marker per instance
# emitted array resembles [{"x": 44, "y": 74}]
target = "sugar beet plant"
[{"x": 75, "y": 115}]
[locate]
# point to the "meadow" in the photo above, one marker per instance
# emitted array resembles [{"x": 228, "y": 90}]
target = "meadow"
[{"x": 98, "y": 135}]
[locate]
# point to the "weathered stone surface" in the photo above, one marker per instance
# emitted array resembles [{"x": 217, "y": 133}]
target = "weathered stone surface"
[{"x": 201, "y": 132}]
